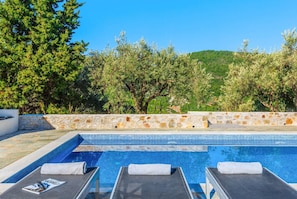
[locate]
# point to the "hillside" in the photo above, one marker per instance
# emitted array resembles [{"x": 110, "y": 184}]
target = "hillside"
[{"x": 216, "y": 63}]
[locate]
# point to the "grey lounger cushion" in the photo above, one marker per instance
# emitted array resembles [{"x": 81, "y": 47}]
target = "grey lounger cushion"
[
  {"x": 75, "y": 186},
  {"x": 171, "y": 186},
  {"x": 252, "y": 186}
]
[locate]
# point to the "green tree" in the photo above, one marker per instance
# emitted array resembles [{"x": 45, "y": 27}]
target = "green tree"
[
  {"x": 262, "y": 81},
  {"x": 289, "y": 53},
  {"x": 132, "y": 75},
  {"x": 39, "y": 62}
]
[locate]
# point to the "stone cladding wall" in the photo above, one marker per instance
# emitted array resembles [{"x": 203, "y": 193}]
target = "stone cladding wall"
[
  {"x": 250, "y": 118},
  {"x": 112, "y": 121},
  {"x": 192, "y": 120},
  {"x": 34, "y": 122}
]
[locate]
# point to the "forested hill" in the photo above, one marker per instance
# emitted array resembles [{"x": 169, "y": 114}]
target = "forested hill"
[{"x": 216, "y": 63}]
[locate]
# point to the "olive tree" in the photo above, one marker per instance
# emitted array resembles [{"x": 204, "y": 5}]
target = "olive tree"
[
  {"x": 130, "y": 76},
  {"x": 289, "y": 53},
  {"x": 262, "y": 81}
]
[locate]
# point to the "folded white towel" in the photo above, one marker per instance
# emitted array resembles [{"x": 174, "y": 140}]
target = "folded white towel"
[
  {"x": 240, "y": 167},
  {"x": 149, "y": 169},
  {"x": 72, "y": 168}
]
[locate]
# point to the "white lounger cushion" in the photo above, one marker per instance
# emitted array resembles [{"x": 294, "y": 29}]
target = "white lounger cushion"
[
  {"x": 149, "y": 169},
  {"x": 240, "y": 167},
  {"x": 72, "y": 168}
]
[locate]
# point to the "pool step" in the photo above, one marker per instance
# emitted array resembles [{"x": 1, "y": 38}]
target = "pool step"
[{"x": 196, "y": 148}]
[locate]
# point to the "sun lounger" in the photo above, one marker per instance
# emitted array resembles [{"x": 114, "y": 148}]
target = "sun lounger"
[
  {"x": 246, "y": 186},
  {"x": 173, "y": 186},
  {"x": 76, "y": 186}
]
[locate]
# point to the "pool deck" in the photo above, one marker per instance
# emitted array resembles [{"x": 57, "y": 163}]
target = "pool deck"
[
  {"x": 16, "y": 147},
  {"x": 22, "y": 143}
]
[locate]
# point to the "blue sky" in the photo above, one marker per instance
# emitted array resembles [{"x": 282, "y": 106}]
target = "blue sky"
[{"x": 188, "y": 25}]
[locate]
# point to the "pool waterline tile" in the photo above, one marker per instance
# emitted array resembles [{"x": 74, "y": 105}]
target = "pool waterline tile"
[{"x": 184, "y": 138}]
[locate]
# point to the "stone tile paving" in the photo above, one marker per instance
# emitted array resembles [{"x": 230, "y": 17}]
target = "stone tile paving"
[{"x": 22, "y": 143}]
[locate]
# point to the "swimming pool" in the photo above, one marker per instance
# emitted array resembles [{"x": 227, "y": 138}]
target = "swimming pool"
[
  {"x": 191, "y": 152},
  {"x": 275, "y": 151}
]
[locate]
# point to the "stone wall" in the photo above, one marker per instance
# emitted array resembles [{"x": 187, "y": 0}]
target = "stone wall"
[
  {"x": 34, "y": 122},
  {"x": 113, "y": 121},
  {"x": 250, "y": 118},
  {"x": 192, "y": 120}
]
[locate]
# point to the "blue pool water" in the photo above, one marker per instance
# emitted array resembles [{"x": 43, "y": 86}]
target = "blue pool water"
[{"x": 281, "y": 160}]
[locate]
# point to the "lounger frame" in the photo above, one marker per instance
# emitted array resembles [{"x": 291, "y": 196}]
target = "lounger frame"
[
  {"x": 144, "y": 182},
  {"x": 256, "y": 186},
  {"x": 210, "y": 183},
  {"x": 76, "y": 186}
]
